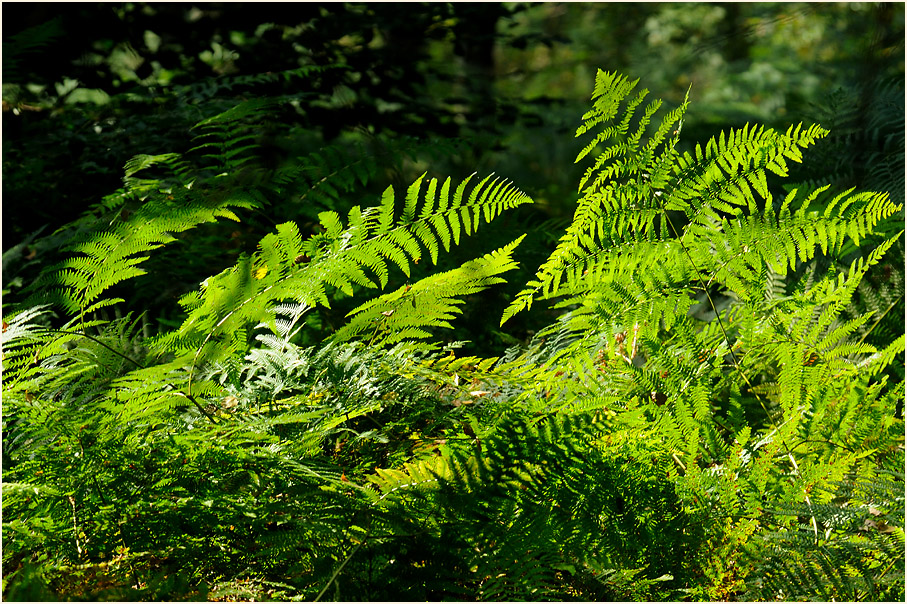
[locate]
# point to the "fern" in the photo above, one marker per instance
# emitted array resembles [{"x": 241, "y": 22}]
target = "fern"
[
  {"x": 287, "y": 269},
  {"x": 210, "y": 88},
  {"x": 707, "y": 415},
  {"x": 532, "y": 527},
  {"x": 655, "y": 228},
  {"x": 859, "y": 556},
  {"x": 434, "y": 301},
  {"x": 103, "y": 257}
]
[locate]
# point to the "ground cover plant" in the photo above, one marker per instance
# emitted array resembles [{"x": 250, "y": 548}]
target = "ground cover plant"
[{"x": 711, "y": 409}]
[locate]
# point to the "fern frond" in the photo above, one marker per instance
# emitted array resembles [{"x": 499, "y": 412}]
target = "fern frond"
[
  {"x": 621, "y": 205},
  {"x": 102, "y": 258},
  {"x": 288, "y": 269},
  {"x": 211, "y": 88},
  {"x": 626, "y": 204},
  {"x": 431, "y": 302}
]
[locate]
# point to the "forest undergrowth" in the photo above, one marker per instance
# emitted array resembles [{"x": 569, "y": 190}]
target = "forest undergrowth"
[{"x": 704, "y": 400}]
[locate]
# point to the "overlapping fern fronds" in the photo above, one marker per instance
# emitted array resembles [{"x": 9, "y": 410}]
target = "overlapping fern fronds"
[
  {"x": 539, "y": 506},
  {"x": 657, "y": 235},
  {"x": 109, "y": 244},
  {"x": 103, "y": 257},
  {"x": 858, "y": 556},
  {"x": 707, "y": 417},
  {"x": 287, "y": 275},
  {"x": 628, "y": 221},
  {"x": 406, "y": 313}
]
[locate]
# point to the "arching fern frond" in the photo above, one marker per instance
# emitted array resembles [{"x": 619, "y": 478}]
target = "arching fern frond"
[
  {"x": 627, "y": 175},
  {"x": 210, "y": 88},
  {"x": 228, "y": 138},
  {"x": 634, "y": 186},
  {"x": 361, "y": 254},
  {"x": 102, "y": 258},
  {"x": 406, "y": 313}
]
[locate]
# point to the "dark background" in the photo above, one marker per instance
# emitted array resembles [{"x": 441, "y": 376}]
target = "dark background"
[{"x": 113, "y": 80}]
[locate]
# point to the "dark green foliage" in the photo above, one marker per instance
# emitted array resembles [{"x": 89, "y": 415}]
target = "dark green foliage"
[
  {"x": 27, "y": 42},
  {"x": 710, "y": 412},
  {"x": 859, "y": 556}
]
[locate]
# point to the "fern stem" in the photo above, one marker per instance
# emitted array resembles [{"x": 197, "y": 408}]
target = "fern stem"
[
  {"x": 199, "y": 407},
  {"x": 812, "y": 517},
  {"x": 75, "y": 524},
  {"x": 876, "y": 324},
  {"x": 340, "y": 569},
  {"x": 99, "y": 342},
  {"x": 702, "y": 284},
  {"x": 737, "y": 364}
]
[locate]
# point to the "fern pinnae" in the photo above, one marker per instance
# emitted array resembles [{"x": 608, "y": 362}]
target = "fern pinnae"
[
  {"x": 372, "y": 240},
  {"x": 613, "y": 212},
  {"x": 106, "y": 257},
  {"x": 717, "y": 189},
  {"x": 430, "y": 302}
]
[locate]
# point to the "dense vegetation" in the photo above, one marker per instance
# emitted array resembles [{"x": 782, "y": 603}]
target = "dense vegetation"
[{"x": 278, "y": 359}]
